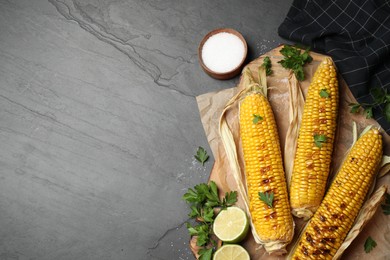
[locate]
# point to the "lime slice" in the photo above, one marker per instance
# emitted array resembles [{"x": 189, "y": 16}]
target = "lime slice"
[
  {"x": 231, "y": 225},
  {"x": 231, "y": 252}
]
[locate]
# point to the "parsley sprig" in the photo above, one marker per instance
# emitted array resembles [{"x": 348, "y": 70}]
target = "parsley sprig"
[
  {"x": 267, "y": 65},
  {"x": 295, "y": 60},
  {"x": 203, "y": 200},
  {"x": 369, "y": 245},
  {"x": 324, "y": 93},
  {"x": 201, "y": 155},
  {"x": 381, "y": 98},
  {"x": 319, "y": 140},
  {"x": 267, "y": 198},
  {"x": 256, "y": 118}
]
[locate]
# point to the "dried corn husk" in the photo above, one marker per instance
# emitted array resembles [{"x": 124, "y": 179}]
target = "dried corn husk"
[
  {"x": 275, "y": 247},
  {"x": 296, "y": 104}
]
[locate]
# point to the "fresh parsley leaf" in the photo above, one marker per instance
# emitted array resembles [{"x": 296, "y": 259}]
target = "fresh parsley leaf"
[
  {"x": 201, "y": 155},
  {"x": 203, "y": 199},
  {"x": 387, "y": 112},
  {"x": 230, "y": 199},
  {"x": 256, "y": 118},
  {"x": 378, "y": 94},
  {"x": 267, "y": 65},
  {"x": 388, "y": 98},
  {"x": 203, "y": 239},
  {"x": 202, "y": 231},
  {"x": 386, "y": 205},
  {"x": 324, "y": 93},
  {"x": 381, "y": 99},
  {"x": 267, "y": 198},
  {"x": 295, "y": 60},
  {"x": 319, "y": 140},
  {"x": 368, "y": 112},
  {"x": 194, "y": 212},
  {"x": 354, "y": 107},
  {"x": 208, "y": 214},
  {"x": 205, "y": 253},
  {"x": 369, "y": 245},
  {"x": 191, "y": 196}
]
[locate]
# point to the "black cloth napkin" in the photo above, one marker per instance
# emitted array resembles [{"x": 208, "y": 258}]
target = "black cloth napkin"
[{"x": 356, "y": 34}]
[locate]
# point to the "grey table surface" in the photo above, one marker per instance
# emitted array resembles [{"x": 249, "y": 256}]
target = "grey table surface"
[{"x": 99, "y": 122}]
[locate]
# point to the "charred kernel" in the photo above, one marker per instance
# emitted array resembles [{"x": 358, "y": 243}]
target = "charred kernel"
[
  {"x": 335, "y": 216},
  {"x": 309, "y": 238},
  {"x": 304, "y": 251},
  {"x": 266, "y": 181},
  {"x": 332, "y": 228},
  {"x": 322, "y": 218},
  {"x": 343, "y": 205},
  {"x": 327, "y": 240},
  {"x": 317, "y": 229},
  {"x": 353, "y": 160},
  {"x": 317, "y": 252}
]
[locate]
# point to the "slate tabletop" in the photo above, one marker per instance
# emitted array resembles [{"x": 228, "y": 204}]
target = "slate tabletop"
[{"x": 99, "y": 123}]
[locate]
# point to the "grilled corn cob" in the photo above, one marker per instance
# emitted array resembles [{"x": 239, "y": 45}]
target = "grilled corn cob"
[
  {"x": 264, "y": 172},
  {"x": 315, "y": 142},
  {"x": 332, "y": 221}
]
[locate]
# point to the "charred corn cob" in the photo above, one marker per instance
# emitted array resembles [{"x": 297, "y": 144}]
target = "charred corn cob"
[
  {"x": 332, "y": 221},
  {"x": 315, "y": 142},
  {"x": 264, "y": 172}
]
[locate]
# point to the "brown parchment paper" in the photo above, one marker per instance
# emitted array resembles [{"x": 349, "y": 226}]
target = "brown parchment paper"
[{"x": 210, "y": 107}]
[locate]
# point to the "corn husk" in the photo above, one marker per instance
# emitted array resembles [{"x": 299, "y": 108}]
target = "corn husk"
[
  {"x": 296, "y": 104},
  {"x": 250, "y": 86}
]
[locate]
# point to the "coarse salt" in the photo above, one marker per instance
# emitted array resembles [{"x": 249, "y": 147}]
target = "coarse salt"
[{"x": 223, "y": 52}]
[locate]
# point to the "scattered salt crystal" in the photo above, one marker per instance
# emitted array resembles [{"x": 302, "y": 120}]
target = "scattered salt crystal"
[{"x": 223, "y": 52}]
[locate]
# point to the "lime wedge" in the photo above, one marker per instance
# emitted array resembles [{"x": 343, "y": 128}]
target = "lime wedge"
[
  {"x": 231, "y": 252},
  {"x": 231, "y": 225}
]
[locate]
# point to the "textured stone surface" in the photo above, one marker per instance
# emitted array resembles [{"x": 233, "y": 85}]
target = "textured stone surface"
[{"x": 99, "y": 123}]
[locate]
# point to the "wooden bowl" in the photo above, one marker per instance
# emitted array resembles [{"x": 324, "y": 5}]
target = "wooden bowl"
[{"x": 222, "y": 75}]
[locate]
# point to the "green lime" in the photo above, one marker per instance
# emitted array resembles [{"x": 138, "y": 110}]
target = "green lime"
[
  {"x": 231, "y": 225},
  {"x": 231, "y": 252}
]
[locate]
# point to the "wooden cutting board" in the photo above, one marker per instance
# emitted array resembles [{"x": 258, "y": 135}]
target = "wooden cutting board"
[{"x": 211, "y": 106}]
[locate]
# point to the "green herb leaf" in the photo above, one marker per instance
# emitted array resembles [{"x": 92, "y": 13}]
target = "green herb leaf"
[
  {"x": 203, "y": 199},
  {"x": 201, "y": 155},
  {"x": 191, "y": 196},
  {"x": 386, "y": 205},
  {"x": 319, "y": 140},
  {"x": 378, "y": 94},
  {"x": 205, "y": 253},
  {"x": 230, "y": 199},
  {"x": 256, "y": 118},
  {"x": 267, "y": 198},
  {"x": 294, "y": 60},
  {"x": 369, "y": 245},
  {"x": 208, "y": 214},
  {"x": 324, "y": 93},
  {"x": 354, "y": 107},
  {"x": 368, "y": 112},
  {"x": 194, "y": 212},
  {"x": 387, "y": 112},
  {"x": 203, "y": 238},
  {"x": 267, "y": 65}
]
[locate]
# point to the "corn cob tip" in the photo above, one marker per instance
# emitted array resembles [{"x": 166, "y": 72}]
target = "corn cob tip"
[{"x": 305, "y": 213}]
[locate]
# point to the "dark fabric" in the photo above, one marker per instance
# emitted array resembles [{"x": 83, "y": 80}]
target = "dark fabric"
[{"x": 356, "y": 34}]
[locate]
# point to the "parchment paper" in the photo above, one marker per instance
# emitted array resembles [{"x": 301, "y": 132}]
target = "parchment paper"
[{"x": 210, "y": 108}]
